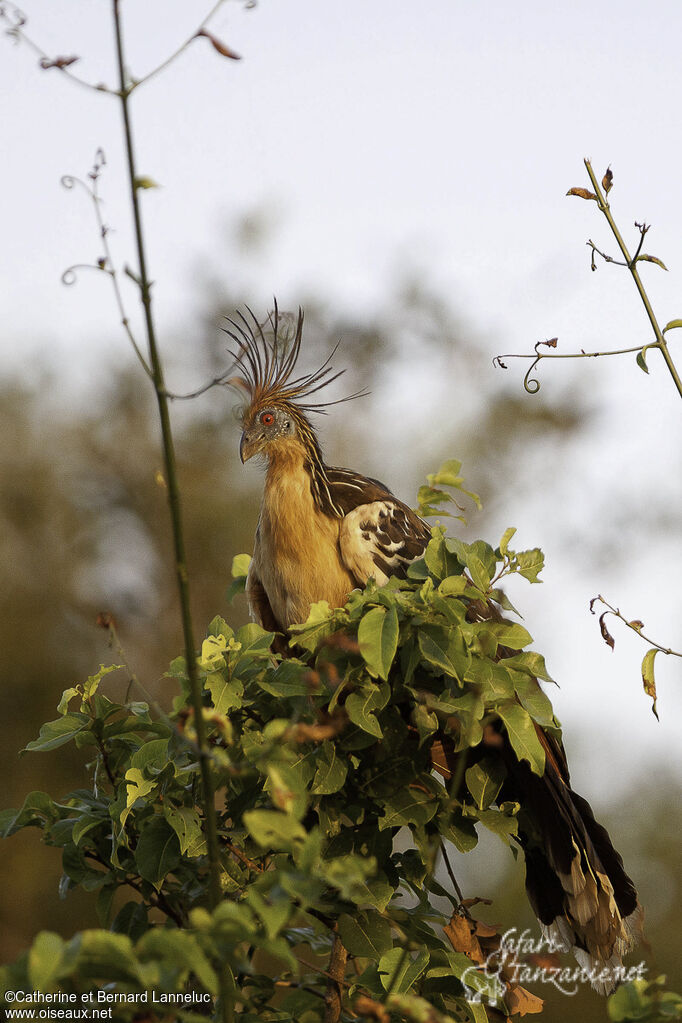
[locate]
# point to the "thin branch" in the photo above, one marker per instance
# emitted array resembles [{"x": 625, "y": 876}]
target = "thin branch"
[
  {"x": 632, "y": 267},
  {"x": 16, "y": 19},
  {"x": 451, "y": 874},
  {"x": 635, "y": 625},
  {"x": 227, "y": 983},
  {"x": 169, "y": 60},
  {"x": 532, "y": 384}
]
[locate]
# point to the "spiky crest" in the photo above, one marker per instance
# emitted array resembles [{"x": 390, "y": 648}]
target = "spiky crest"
[{"x": 266, "y": 366}]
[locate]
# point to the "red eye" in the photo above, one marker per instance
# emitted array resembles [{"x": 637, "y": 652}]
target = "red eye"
[{"x": 267, "y": 419}]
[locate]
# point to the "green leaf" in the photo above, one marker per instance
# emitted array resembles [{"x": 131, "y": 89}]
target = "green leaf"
[
  {"x": 501, "y": 824},
  {"x": 506, "y": 537},
  {"x": 153, "y": 754},
  {"x": 91, "y": 684},
  {"x": 408, "y": 806},
  {"x": 273, "y": 829},
  {"x": 641, "y": 359},
  {"x": 378, "y": 639},
  {"x": 38, "y": 809},
  {"x": 331, "y": 770},
  {"x": 226, "y": 694},
  {"x": 522, "y": 735},
  {"x": 672, "y": 325},
  {"x": 185, "y": 822},
  {"x": 67, "y": 696},
  {"x": 530, "y": 662},
  {"x": 365, "y": 934},
  {"x": 44, "y": 960},
  {"x": 509, "y": 634},
  {"x": 445, "y": 651},
  {"x": 648, "y": 679},
  {"x": 57, "y": 733},
  {"x": 399, "y": 971},
  {"x": 157, "y": 852},
  {"x": 484, "y": 781},
  {"x": 287, "y": 681},
  {"x": 530, "y": 564},
  {"x": 321, "y": 623},
  {"x": 104, "y": 955},
  {"x": 533, "y": 699},
  {"x": 362, "y": 705},
  {"x": 182, "y": 950}
]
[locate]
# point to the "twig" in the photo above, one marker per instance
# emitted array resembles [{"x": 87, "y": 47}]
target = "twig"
[
  {"x": 16, "y": 19},
  {"x": 632, "y": 267},
  {"x": 448, "y": 867},
  {"x": 106, "y": 264},
  {"x": 226, "y": 977},
  {"x": 635, "y": 625},
  {"x": 169, "y": 60}
]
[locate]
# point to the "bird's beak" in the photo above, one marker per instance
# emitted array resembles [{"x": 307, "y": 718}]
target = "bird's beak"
[{"x": 249, "y": 445}]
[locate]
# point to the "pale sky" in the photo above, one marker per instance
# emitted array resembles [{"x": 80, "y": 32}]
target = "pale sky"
[{"x": 380, "y": 135}]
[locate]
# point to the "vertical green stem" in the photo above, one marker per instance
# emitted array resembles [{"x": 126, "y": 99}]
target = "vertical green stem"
[
  {"x": 227, "y": 980},
  {"x": 632, "y": 267}
]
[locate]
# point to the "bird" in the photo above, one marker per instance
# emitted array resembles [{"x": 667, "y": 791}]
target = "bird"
[{"x": 324, "y": 531}]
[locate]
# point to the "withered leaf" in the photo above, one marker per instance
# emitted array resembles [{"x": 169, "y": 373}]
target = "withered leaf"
[
  {"x": 648, "y": 679},
  {"x": 519, "y": 1000},
  {"x": 608, "y": 638},
  {"x": 552, "y": 343},
  {"x": 221, "y": 48},
  {"x": 652, "y": 259},
  {"x": 58, "y": 62},
  {"x": 607, "y": 180},
  {"x": 636, "y": 625},
  {"x": 582, "y": 193},
  {"x": 460, "y": 934}
]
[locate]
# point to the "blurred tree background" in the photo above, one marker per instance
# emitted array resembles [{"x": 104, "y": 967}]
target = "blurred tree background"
[{"x": 83, "y": 529}]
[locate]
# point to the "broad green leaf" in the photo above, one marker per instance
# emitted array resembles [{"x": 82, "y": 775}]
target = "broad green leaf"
[
  {"x": 213, "y": 650},
  {"x": 331, "y": 770},
  {"x": 157, "y": 852},
  {"x": 185, "y": 822},
  {"x": 44, "y": 960},
  {"x": 672, "y": 325},
  {"x": 509, "y": 634},
  {"x": 37, "y": 810},
  {"x": 362, "y": 705},
  {"x": 57, "y": 733},
  {"x": 378, "y": 640},
  {"x": 67, "y": 696},
  {"x": 484, "y": 781},
  {"x": 453, "y": 585},
  {"x": 459, "y": 830},
  {"x": 226, "y": 694},
  {"x": 182, "y": 950},
  {"x": 444, "y": 651},
  {"x": 533, "y": 699},
  {"x": 131, "y": 921},
  {"x": 321, "y": 623},
  {"x": 91, "y": 684},
  {"x": 399, "y": 971},
  {"x": 287, "y": 681},
  {"x": 273, "y": 829},
  {"x": 530, "y": 564},
  {"x": 501, "y": 824},
  {"x": 408, "y": 806},
  {"x": 530, "y": 662},
  {"x": 365, "y": 934},
  {"x": 152, "y": 754},
  {"x": 522, "y": 735},
  {"x": 641, "y": 360},
  {"x": 104, "y": 955},
  {"x": 240, "y": 565}
]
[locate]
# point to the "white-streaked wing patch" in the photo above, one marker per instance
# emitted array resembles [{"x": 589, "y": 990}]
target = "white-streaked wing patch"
[{"x": 381, "y": 539}]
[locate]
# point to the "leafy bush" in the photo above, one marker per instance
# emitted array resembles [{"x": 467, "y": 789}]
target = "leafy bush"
[{"x": 321, "y": 759}]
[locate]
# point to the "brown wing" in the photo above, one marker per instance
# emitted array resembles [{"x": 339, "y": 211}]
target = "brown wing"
[{"x": 379, "y": 536}]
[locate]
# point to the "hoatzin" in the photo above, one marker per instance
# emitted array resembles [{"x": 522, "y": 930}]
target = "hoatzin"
[{"x": 322, "y": 532}]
